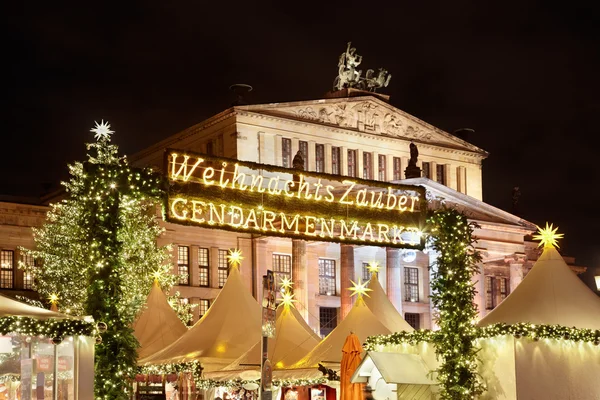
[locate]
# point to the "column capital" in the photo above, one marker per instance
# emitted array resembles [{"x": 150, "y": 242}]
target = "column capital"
[{"x": 515, "y": 258}]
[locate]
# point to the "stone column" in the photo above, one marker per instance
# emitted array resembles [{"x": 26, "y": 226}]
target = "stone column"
[
  {"x": 394, "y": 277},
  {"x": 299, "y": 270},
  {"x": 346, "y": 274},
  {"x": 515, "y": 262}
]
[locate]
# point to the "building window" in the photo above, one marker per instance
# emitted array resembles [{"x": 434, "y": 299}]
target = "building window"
[
  {"x": 183, "y": 265},
  {"x": 335, "y": 160},
  {"x": 282, "y": 268},
  {"x": 7, "y": 269},
  {"x": 28, "y": 260},
  {"x": 214, "y": 147},
  {"x": 286, "y": 153},
  {"x": 397, "y": 168},
  {"x": 440, "y": 173},
  {"x": 366, "y": 275},
  {"x": 381, "y": 166},
  {"x": 203, "y": 306},
  {"x": 326, "y": 277},
  {"x": 327, "y": 320},
  {"x": 411, "y": 284},
  {"x": 352, "y": 163},
  {"x": 426, "y": 167},
  {"x": 367, "y": 166},
  {"x": 413, "y": 319},
  {"x": 203, "y": 268},
  {"x": 304, "y": 149},
  {"x": 490, "y": 293},
  {"x": 503, "y": 288},
  {"x": 222, "y": 267},
  {"x": 320, "y": 157}
]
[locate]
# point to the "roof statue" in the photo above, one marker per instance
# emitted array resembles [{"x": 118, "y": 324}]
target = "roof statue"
[{"x": 349, "y": 76}]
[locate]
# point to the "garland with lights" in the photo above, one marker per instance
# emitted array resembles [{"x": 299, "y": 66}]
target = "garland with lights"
[
  {"x": 52, "y": 328},
  {"x": 99, "y": 253},
  {"x": 452, "y": 297},
  {"x": 237, "y": 383}
]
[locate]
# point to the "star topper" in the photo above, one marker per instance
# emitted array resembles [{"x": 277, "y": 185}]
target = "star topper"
[
  {"x": 359, "y": 289},
  {"x": 234, "y": 257},
  {"x": 548, "y": 236},
  {"x": 53, "y": 298},
  {"x": 373, "y": 267},
  {"x": 287, "y": 299},
  {"x": 286, "y": 284},
  {"x": 102, "y": 131}
]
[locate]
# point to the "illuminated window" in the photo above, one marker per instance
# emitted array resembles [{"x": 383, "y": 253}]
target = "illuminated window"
[
  {"x": 335, "y": 160},
  {"x": 326, "y": 277},
  {"x": 426, "y": 167},
  {"x": 327, "y": 320},
  {"x": 503, "y": 288},
  {"x": 222, "y": 267},
  {"x": 413, "y": 320},
  {"x": 203, "y": 306},
  {"x": 320, "y": 157},
  {"x": 282, "y": 268},
  {"x": 28, "y": 260},
  {"x": 440, "y": 173},
  {"x": 411, "y": 284},
  {"x": 183, "y": 265},
  {"x": 397, "y": 168},
  {"x": 381, "y": 164},
  {"x": 7, "y": 269},
  {"x": 367, "y": 166},
  {"x": 490, "y": 292},
  {"x": 303, "y": 146},
  {"x": 203, "y": 268},
  {"x": 352, "y": 163},
  {"x": 286, "y": 152}
]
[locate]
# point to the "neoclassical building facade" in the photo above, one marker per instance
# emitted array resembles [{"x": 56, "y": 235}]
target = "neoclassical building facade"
[{"x": 353, "y": 134}]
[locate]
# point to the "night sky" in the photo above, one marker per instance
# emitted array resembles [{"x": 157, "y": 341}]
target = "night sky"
[{"x": 524, "y": 76}]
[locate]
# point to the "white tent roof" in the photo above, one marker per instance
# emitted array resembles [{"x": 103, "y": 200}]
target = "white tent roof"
[
  {"x": 394, "y": 368},
  {"x": 157, "y": 326},
  {"x": 359, "y": 320},
  {"x": 293, "y": 340},
  {"x": 550, "y": 294},
  {"x": 10, "y": 307},
  {"x": 231, "y": 325},
  {"x": 383, "y": 308}
]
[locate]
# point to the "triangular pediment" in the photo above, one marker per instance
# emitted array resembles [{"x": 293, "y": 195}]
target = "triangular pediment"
[{"x": 366, "y": 114}]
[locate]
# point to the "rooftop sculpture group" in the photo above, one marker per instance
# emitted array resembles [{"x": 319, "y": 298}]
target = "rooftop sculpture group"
[{"x": 350, "y": 77}]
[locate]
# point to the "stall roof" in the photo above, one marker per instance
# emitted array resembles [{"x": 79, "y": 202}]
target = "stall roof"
[
  {"x": 394, "y": 368},
  {"x": 13, "y": 308},
  {"x": 382, "y": 307}
]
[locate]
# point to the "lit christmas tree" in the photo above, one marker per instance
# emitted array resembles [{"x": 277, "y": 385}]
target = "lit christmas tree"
[{"x": 99, "y": 254}]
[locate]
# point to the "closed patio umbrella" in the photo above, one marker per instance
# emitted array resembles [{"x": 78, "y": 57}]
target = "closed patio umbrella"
[{"x": 350, "y": 359}]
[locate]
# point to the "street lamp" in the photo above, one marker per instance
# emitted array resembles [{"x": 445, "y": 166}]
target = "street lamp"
[{"x": 597, "y": 277}]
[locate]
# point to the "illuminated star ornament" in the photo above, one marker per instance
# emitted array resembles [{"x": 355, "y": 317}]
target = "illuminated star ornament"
[
  {"x": 235, "y": 257},
  {"x": 287, "y": 299},
  {"x": 373, "y": 267},
  {"x": 286, "y": 284},
  {"x": 53, "y": 298},
  {"x": 359, "y": 289},
  {"x": 548, "y": 236},
  {"x": 102, "y": 131},
  {"x": 157, "y": 275}
]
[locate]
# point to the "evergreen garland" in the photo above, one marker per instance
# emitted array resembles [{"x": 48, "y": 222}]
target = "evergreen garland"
[{"x": 452, "y": 296}]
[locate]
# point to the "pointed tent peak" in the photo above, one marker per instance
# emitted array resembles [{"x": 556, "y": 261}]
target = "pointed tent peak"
[
  {"x": 383, "y": 308},
  {"x": 359, "y": 289},
  {"x": 548, "y": 237}
]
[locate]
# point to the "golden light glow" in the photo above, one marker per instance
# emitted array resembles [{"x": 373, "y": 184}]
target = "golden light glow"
[
  {"x": 359, "y": 289},
  {"x": 286, "y": 284},
  {"x": 287, "y": 299},
  {"x": 373, "y": 267},
  {"x": 234, "y": 257},
  {"x": 157, "y": 275},
  {"x": 53, "y": 298},
  {"x": 548, "y": 236}
]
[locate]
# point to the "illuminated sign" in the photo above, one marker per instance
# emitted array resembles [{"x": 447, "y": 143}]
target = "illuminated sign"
[{"x": 236, "y": 195}]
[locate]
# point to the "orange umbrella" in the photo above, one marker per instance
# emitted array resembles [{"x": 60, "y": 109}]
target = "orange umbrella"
[{"x": 350, "y": 360}]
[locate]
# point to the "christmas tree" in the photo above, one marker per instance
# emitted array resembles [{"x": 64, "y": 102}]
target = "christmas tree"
[{"x": 99, "y": 254}]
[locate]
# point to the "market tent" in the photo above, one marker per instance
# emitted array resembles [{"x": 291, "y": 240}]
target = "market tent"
[
  {"x": 10, "y": 307},
  {"x": 550, "y": 294},
  {"x": 230, "y": 326},
  {"x": 293, "y": 340},
  {"x": 382, "y": 307},
  {"x": 157, "y": 326},
  {"x": 359, "y": 320}
]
